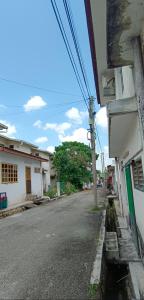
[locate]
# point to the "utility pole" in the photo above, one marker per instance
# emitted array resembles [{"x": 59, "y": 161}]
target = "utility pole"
[
  {"x": 102, "y": 163},
  {"x": 93, "y": 145}
]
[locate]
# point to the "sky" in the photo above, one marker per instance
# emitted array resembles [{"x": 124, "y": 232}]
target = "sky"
[{"x": 32, "y": 52}]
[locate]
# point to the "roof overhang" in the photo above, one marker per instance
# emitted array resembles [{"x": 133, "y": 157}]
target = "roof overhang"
[
  {"x": 96, "y": 22},
  {"x": 111, "y": 26},
  {"x": 22, "y": 154},
  {"x": 21, "y": 142},
  {"x": 2, "y": 126},
  {"x": 121, "y": 115}
]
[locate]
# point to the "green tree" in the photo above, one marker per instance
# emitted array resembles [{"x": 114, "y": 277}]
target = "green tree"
[{"x": 72, "y": 161}]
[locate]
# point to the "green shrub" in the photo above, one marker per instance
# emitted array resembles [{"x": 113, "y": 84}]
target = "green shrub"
[
  {"x": 52, "y": 192},
  {"x": 69, "y": 188}
]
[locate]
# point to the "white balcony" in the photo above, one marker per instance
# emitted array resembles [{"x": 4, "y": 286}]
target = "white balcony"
[{"x": 121, "y": 116}]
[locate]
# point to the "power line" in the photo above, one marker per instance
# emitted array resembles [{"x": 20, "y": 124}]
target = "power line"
[
  {"x": 49, "y": 106},
  {"x": 76, "y": 43},
  {"x": 69, "y": 51},
  {"x": 97, "y": 134},
  {"x": 34, "y": 86}
]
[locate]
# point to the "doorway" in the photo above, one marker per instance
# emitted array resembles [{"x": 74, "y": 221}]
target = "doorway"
[
  {"x": 131, "y": 205},
  {"x": 28, "y": 179}
]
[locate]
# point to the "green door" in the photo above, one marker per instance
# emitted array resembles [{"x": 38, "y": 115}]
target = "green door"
[{"x": 131, "y": 204}]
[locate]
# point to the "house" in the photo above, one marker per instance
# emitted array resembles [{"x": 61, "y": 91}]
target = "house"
[
  {"x": 21, "y": 169},
  {"x": 116, "y": 34},
  {"x": 46, "y": 169},
  {"x": 3, "y": 127},
  {"x": 53, "y": 173}
]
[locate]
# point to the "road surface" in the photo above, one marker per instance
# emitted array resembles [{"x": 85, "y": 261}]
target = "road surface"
[{"x": 48, "y": 252}]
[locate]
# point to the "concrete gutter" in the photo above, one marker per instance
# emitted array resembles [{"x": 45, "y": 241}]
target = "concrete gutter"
[
  {"x": 129, "y": 255},
  {"x": 97, "y": 266}
]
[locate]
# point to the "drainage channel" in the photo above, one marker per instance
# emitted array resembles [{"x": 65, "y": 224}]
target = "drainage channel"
[
  {"x": 116, "y": 282},
  {"x": 116, "y": 273}
]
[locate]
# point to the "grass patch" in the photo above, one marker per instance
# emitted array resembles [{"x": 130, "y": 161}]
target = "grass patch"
[
  {"x": 52, "y": 192},
  {"x": 96, "y": 209},
  {"x": 92, "y": 289}
]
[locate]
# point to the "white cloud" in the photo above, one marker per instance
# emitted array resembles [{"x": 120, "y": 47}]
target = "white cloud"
[
  {"x": 51, "y": 149},
  {"x": 107, "y": 160},
  {"x": 101, "y": 118},
  {"x": 76, "y": 116},
  {"x": 59, "y": 128},
  {"x": 34, "y": 103},
  {"x": 38, "y": 124},
  {"x": 41, "y": 140},
  {"x": 51, "y": 126},
  {"x": 2, "y": 107},
  {"x": 11, "y": 128},
  {"x": 79, "y": 135}
]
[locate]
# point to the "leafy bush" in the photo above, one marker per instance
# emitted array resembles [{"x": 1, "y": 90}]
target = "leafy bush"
[
  {"x": 52, "y": 192},
  {"x": 69, "y": 188}
]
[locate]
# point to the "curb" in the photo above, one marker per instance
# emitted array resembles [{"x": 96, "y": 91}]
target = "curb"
[{"x": 24, "y": 206}]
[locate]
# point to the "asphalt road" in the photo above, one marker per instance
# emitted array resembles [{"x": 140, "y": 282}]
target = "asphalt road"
[{"x": 47, "y": 252}]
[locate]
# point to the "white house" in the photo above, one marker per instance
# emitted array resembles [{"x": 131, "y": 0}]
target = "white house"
[
  {"x": 3, "y": 127},
  {"x": 20, "y": 169},
  {"x": 45, "y": 169},
  {"x": 49, "y": 176},
  {"x": 116, "y": 34}
]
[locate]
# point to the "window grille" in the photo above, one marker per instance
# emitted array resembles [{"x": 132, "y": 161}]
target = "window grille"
[
  {"x": 9, "y": 173},
  {"x": 138, "y": 176}
]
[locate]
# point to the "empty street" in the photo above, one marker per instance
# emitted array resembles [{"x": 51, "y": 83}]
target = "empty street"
[{"x": 48, "y": 252}]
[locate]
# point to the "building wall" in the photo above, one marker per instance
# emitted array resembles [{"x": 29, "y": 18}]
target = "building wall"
[
  {"x": 132, "y": 149},
  {"x": 124, "y": 82},
  {"x": 46, "y": 175},
  {"x": 16, "y": 192},
  {"x": 139, "y": 201}
]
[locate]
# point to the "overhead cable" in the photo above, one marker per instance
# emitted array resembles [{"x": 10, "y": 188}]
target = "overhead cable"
[
  {"x": 68, "y": 48},
  {"x": 76, "y": 43}
]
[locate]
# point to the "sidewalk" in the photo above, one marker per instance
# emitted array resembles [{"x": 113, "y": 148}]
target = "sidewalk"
[
  {"x": 19, "y": 207},
  {"x": 129, "y": 255}
]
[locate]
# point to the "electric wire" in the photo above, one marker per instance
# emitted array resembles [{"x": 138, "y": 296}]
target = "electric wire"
[
  {"x": 76, "y": 42},
  {"x": 65, "y": 39},
  {"x": 69, "y": 51},
  {"x": 97, "y": 134},
  {"x": 35, "y": 86},
  {"x": 49, "y": 106}
]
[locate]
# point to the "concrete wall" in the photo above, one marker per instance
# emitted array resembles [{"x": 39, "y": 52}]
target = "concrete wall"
[
  {"x": 16, "y": 192},
  {"x": 124, "y": 82},
  {"x": 133, "y": 148},
  {"x": 46, "y": 167}
]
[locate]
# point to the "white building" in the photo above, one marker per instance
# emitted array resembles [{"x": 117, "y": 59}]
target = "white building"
[
  {"x": 46, "y": 180},
  {"x": 24, "y": 170},
  {"x": 116, "y": 33},
  {"x": 3, "y": 127}
]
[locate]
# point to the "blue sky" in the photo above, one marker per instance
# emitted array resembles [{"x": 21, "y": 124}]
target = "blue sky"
[{"x": 32, "y": 51}]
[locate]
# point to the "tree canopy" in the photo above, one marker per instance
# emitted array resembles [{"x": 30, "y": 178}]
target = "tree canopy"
[{"x": 72, "y": 161}]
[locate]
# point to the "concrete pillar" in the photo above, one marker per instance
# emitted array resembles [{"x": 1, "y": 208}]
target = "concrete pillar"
[{"x": 58, "y": 188}]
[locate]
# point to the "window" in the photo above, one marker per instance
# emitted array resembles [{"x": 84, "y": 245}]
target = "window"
[
  {"x": 9, "y": 173},
  {"x": 37, "y": 170},
  {"x": 138, "y": 176}
]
